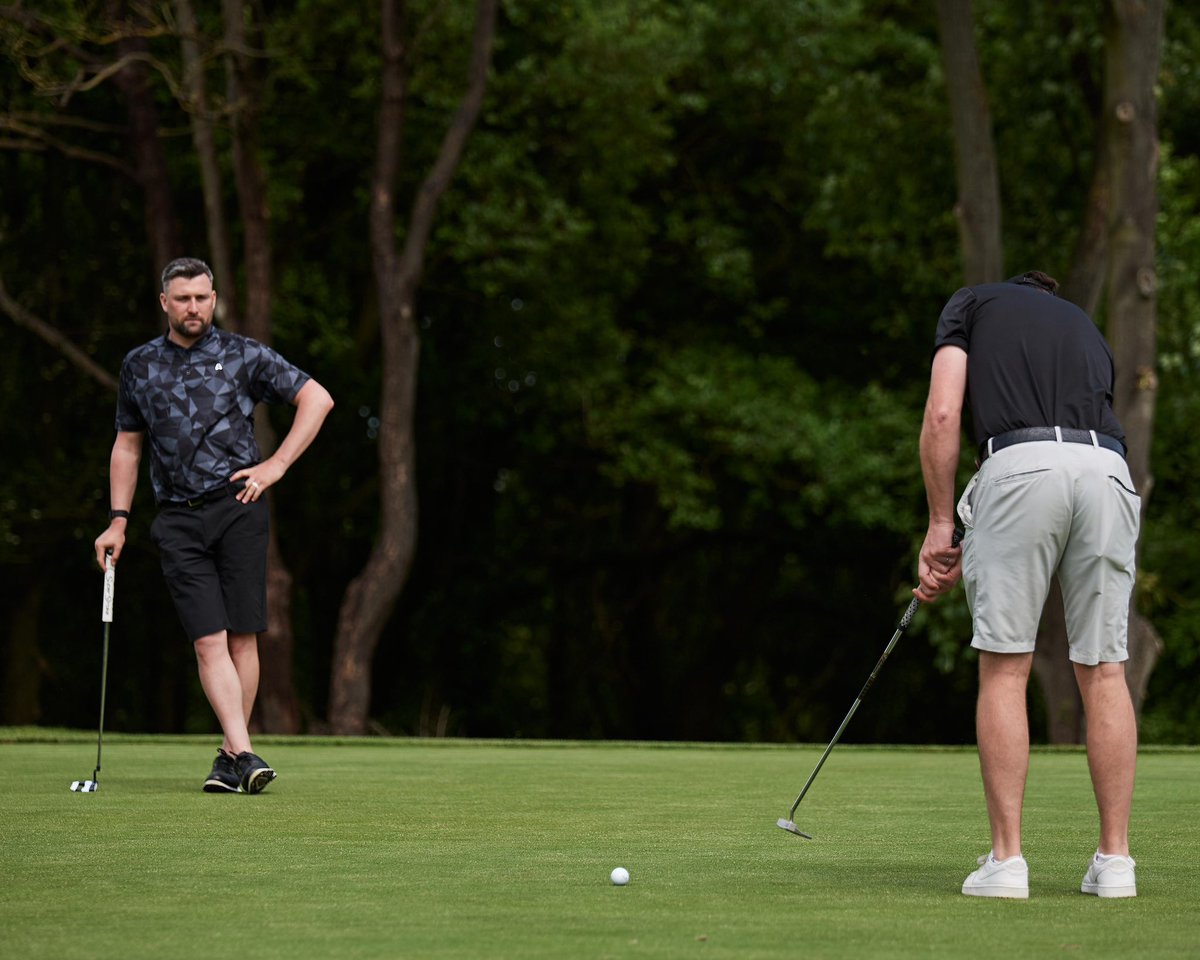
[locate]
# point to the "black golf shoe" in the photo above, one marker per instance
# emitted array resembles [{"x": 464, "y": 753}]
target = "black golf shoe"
[
  {"x": 224, "y": 776},
  {"x": 254, "y": 772}
]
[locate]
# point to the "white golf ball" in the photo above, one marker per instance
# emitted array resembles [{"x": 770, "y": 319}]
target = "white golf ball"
[{"x": 620, "y": 876}]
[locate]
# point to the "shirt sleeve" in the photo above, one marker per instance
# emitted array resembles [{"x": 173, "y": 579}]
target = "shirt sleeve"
[
  {"x": 952, "y": 324},
  {"x": 129, "y": 415},
  {"x": 272, "y": 378}
]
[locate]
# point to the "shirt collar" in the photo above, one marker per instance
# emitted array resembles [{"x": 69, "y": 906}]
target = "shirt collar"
[{"x": 200, "y": 345}]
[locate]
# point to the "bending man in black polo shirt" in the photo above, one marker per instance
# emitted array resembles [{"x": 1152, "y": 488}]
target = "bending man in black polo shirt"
[
  {"x": 193, "y": 392},
  {"x": 1052, "y": 496}
]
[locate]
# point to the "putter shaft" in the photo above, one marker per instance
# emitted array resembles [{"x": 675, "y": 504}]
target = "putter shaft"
[
  {"x": 106, "y": 615},
  {"x": 103, "y": 691},
  {"x": 904, "y": 622},
  {"x": 789, "y": 824}
]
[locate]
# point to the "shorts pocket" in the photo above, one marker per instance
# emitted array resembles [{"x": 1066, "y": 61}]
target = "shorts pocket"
[
  {"x": 1130, "y": 504},
  {"x": 1125, "y": 519},
  {"x": 1125, "y": 487},
  {"x": 1021, "y": 476}
]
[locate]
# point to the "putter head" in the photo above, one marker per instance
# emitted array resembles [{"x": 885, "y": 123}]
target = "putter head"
[
  {"x": 790, "y": 827},
  {"x": 85, "y": 786}
]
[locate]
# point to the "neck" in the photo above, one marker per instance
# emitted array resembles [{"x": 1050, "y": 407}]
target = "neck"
[{"x": 183, "y": 340}]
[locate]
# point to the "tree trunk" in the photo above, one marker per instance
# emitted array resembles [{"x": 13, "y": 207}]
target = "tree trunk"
[
  {"x": 1086, "y": 276},
  {"x": 1083, "y": 286},
  {"x": 242, "y": 101},
  {"x": 150, "y": 159},
  {"x": 277, "y": 709},
  {"x": 372, "y": 595},
  {"x": 1117, "y": 231},
  {"x": 978, "y": 207},
  {"x": 195, "y": 89},
  {"x": 1134, "y": 34},
  {"x": 1054, "y": 674}
]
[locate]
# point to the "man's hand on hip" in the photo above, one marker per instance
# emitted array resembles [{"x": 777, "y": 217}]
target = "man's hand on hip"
[{"x": 258, "y": 478}]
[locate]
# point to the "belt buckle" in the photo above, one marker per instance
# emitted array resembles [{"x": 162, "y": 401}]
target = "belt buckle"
[{"x": 199, "y": 501}]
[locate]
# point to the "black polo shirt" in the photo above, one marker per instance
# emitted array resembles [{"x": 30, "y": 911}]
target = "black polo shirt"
[
  {"x": 197, "y": 406},
  {"x": 1033, "y": 360}
]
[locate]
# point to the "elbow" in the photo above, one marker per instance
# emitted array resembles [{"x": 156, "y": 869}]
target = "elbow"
[
  {"x": 942, "y": 418},
  {"x": 317, "y": 397},
  {"x": 940, "y": 424}
]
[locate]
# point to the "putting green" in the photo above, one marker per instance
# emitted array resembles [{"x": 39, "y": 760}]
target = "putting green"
[{"x": 471, "y": 849}]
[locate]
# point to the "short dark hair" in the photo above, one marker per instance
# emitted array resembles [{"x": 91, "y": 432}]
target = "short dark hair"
[
  {"x": 186, "y": 267},
  {"x": 1035, "y": 278}
]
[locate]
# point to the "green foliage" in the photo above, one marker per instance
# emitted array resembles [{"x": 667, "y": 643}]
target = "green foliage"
[
  {"x": 1167, "y": 581},
  {"x": 713, "y": 417},
  {"x": 886, "y": 196},
  {"x": 675, "y": 331}
]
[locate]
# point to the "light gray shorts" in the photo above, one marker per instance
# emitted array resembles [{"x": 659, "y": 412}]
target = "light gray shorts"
[{"x": 1039, "y": 509}]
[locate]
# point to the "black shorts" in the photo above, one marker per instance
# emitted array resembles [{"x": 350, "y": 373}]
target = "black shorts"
[{"x": 214, "y": 558}]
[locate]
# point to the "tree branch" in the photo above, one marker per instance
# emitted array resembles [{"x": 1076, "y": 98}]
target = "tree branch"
[
  {"x": 56, "y": 338},
  {"x": 100, "y": 68},
  {"x": 412, "y": 260},
  {"x": 46, "y": 141}
]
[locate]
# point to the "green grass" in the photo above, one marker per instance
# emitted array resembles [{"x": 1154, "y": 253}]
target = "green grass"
[{"x": 467, "y": 849}]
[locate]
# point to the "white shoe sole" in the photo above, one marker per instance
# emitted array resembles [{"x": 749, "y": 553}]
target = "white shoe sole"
[
  {"x": 1111, "y": 891},
  {"x": 1007, "y": 893},
  {"x": 257, "y": 781}
]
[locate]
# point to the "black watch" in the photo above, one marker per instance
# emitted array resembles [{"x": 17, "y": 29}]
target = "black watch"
[{"x": 113, "y": 514}]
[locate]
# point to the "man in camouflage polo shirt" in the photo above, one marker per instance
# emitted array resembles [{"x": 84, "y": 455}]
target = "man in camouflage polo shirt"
[{"x": 193, "y": 393}]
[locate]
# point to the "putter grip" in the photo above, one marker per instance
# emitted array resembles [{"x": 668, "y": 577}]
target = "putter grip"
[
  {"x": 905, "y": 620},
  {"x": 110, "y": 586}
]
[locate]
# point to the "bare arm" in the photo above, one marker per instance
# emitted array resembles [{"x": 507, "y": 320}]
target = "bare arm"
[
  {"x": 123, "y": 467},
  {"x": 313, "y": 404},
  {"x": 939, "y": 565}
]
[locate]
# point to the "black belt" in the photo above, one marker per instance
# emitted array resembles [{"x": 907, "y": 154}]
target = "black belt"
[
  {"x": 1060, "y": 434},
  {"x": 209, "y": 496}
]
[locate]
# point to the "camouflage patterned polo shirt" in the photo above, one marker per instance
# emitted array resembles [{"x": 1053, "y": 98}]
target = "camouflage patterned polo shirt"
[{"x": 197, "y": 406}]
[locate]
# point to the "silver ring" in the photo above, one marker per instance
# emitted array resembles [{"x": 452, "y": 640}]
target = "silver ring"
[{"x": 253, "y": 483}]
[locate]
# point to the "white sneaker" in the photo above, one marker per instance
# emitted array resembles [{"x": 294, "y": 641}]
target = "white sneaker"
[
  {"x": 999, "y": 878},
  {"x": 1110, "y": 876}
]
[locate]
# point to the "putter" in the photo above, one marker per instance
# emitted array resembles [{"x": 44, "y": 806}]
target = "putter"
[
  {"x": 788, "y": 823},
  {"x": 106, "y": 615}
]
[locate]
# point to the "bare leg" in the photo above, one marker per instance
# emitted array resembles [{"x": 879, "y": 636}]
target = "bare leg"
[
  {"x": 1111, "y": 749},
  {"x": 223, "y": 687},
  {"x": 1002, "y": 730},
  {"x": 243, "y": 650}
]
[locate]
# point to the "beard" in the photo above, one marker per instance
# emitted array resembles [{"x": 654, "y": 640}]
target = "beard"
[{"x": 190, "y": 328}]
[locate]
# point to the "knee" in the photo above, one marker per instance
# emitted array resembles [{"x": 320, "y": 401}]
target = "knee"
[
  {"x": 1088, "y": 673},
  {"x": 1101, "y": 680},
  {"x": 1001, "y": 670},
  {"x": 212, "y": 645}
]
